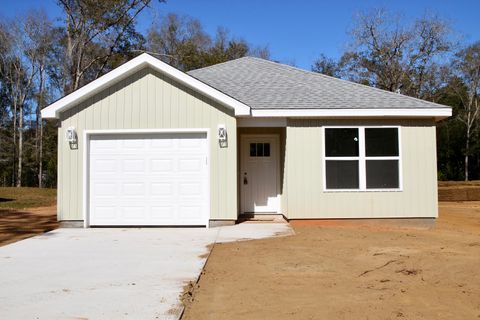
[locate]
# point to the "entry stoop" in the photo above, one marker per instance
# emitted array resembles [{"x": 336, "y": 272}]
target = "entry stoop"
[{"x": 261, "y": 218}]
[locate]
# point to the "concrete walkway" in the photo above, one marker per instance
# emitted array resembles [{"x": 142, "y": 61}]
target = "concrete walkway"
[{"x": 135, "y": 273}]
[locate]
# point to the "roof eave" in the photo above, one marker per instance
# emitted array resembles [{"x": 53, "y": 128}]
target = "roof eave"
[{"x": 436, "y": 113}]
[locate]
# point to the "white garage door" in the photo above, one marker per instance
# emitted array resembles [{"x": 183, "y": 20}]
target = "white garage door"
[{"x": 148, "y": 179}]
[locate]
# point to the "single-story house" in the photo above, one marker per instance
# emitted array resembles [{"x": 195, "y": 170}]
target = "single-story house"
[{"x": 147, "y": 144}]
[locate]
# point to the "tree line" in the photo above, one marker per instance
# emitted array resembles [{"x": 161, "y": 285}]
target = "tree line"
[
  {"x": 43, "y": 59},
  {"x": 424, "y": 59}
]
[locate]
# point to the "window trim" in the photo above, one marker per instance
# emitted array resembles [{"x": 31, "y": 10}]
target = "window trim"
[{"x": 362, "y": 159}]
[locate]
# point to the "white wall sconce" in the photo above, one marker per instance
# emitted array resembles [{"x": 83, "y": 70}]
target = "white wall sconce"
[
  {"x": 71, "y": 137},
  {"x": 222, "y": 136}
]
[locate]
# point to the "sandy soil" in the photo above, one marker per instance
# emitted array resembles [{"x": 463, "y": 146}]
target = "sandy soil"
[
  {"x": 459, "y": 190},
  {"x": 17, "y": 225},
  {"x": 348, "y": 273}
]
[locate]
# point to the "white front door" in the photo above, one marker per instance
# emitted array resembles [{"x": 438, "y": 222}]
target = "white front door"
[
  {"x": 148, "y": 179},
  {"x": 259, "y": 176}
]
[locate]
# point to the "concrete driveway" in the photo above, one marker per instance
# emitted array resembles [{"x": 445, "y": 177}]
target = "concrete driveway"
[{"x": 135, "y": 273}]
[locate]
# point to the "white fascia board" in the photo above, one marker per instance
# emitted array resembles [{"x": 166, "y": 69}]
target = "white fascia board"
[
  {"x": 130, "y": 67},
  {"x": 437, "y": 113},
  {"x": 261, "y": 122}
]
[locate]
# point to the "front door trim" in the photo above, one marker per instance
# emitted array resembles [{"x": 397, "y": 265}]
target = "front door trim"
[{"x": 276, "y": 137}]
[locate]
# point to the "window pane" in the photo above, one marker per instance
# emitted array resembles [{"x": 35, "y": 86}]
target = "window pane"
[
  {"x": 266, "y": 149},
  {"x": 382, "y": 174},
  {"x": 259, "y": 149},
  {"x": 381, "y": 142},
  {"x": 341, "y": 142},
  {"x": 342, "y": 174},
  {"x": 253, "y": 149}
]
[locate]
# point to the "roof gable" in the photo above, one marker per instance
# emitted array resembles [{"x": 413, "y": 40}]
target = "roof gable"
[{"x": 129, "y": 68}]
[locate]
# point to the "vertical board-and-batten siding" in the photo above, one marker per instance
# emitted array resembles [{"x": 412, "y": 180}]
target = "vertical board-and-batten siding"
[
  {"x": 148, "y": 100},
  {"x": 304, "y": 174}
]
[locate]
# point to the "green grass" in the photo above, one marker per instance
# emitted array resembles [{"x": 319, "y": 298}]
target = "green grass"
[{"x": 21, "y": 198}]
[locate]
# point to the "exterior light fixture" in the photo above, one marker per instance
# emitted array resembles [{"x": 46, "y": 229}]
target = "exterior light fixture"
[
  {"x": 222, "y": 136},
  {"x": 71, "y": 135}
]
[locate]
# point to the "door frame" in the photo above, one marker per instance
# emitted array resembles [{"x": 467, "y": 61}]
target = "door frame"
[
  {"x": 276, "y": 137},
  {"x": 87, "y": 134}
]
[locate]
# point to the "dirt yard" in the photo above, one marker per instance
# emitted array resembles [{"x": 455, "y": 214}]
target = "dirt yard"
[
  {"x": 459, "y": 190},
  {"x": 348, "y": 273},
  {"x": 26, "y": 212},
  {"x": 16, "y": 225}
]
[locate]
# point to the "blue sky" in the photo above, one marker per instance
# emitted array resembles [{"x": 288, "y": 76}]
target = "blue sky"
[{"x": 296, "y": 31}]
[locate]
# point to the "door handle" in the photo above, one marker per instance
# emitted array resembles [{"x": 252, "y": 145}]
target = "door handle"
[{"x": 245, "y": 180}]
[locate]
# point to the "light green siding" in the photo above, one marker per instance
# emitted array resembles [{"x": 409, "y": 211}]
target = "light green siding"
[
  {"x": 148, "y": 99},
  {"x": 306, "y": 197}
]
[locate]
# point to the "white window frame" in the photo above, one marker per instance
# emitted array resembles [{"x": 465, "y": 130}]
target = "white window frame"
[{"x": 362, "y": 159}]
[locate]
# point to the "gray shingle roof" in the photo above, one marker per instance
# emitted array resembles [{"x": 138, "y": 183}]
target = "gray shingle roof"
[{"x": 263, "y": 84}]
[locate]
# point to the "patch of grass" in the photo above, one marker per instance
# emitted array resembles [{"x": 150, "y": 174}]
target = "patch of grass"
[{"x": 21, "y": 198}]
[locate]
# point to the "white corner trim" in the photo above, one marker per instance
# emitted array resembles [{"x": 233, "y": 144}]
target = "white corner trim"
[
  {"x": 128, "y": 68},
  {"x": 86, "y": 164},
  {"x": 438, "y": 113}
]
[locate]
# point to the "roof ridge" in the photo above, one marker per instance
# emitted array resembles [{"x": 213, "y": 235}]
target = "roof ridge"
[
  {"x": 218, "y": 64},
  {"x": 346, "y": 81}
]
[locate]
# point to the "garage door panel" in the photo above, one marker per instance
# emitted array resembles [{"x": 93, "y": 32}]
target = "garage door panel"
[
  {"x": 133, "y": 166},
  {"x": 161, "y": 165},
  {"x": 106, "y": 212},
  {"x": 134, "y": 144},
  {"x": 190, "y": 144},
  {"x": 105, "y": 165},
  {"x": 187, "y": 212},
  {"x": 134, "y": 212},
  {"x": 104, "y": 189},
  {"x": 189, "y": 165},
  {"x": 103, "y": 146},
  {"x": 133, "y": 189},
  {"x": 162, "y": 189},
  {"x": 161, "y": 144},
  {"x": 162, "y": 212},
  {"x": 153, "y": 179},
  {"x": 190, "y": 189}
]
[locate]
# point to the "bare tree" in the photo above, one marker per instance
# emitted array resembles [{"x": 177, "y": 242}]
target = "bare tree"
[
  {"x": 225, "y": 48},
  {"x": 5, "y": 56},
  {"x": 430, "y": 42},
  {"x": 95, "y": 31},
  {"x": 182, "y": 42},
  {"x": 19, "y": 79},
  {"x": 179, "y": 41},
  {"x": 23, "y": 69},
  {"x": 467, "y": 67},
  {"x": 379, "y": 43},
  {"x": 262, "y": 52},
  {"x": 39, "y": 34},
  {"x": 389, "y": 54},
  {"x": 327, "y": 66}
]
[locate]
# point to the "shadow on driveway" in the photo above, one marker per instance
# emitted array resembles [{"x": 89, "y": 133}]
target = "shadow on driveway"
[{"x": 16, "y": 225}]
